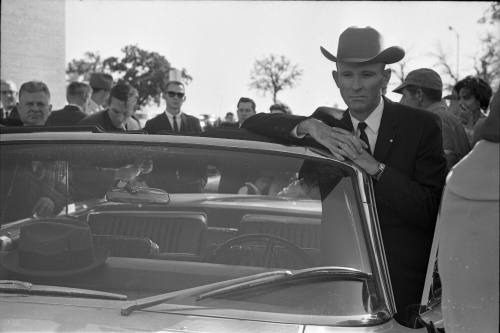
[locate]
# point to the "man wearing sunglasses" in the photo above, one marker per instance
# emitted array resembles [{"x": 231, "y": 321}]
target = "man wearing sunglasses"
[{"x": 173, "y": 120}]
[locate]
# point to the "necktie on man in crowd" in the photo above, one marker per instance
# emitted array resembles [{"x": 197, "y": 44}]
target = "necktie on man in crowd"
[
  {"x": 176, "y": 127},
  {"x": 362, "y": 135}
]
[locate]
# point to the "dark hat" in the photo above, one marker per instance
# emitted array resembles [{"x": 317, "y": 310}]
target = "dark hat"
[
  {"x": 50, "y": 249},
  {"x": 101, "y": 81},
  {"x": 423, "y": 78},
  {"x": 363, "y": 45},
  {"x": 123, "y": 91}
]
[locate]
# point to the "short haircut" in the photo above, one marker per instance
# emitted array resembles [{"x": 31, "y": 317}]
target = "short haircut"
[
  {"x": 169, "y": 83},
  {"x": 280, "y": 107},
  {"x": 122, "y": 91},
  {"x": 229, "y": 114},
  {"x": 34, "y": 87},
  {"x": 77, "y": 89},
  {"x": 432, "y": 94},
  {"x": 479, "y": 88},
  {"x": 246, "y": 100}
]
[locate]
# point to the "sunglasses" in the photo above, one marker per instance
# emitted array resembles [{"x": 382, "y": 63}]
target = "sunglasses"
[{"x": 175, "y": 94}]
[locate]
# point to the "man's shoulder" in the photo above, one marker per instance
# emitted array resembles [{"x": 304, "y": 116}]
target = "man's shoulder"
[
  {"x": 410, "y": 113},
  {"x": 191, "y": 117},
  {"x": 156, "y": 123},
  {"x": 93, "y": 118}
]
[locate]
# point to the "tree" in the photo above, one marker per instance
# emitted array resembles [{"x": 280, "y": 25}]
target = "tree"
[
  {"x": 446, "y": 70},
  {"x": 79, "y": 68},
  {"x": 486, "y": 62},
  {"x": 146, "y": 71},
  {"x": 273, "y": 74}
]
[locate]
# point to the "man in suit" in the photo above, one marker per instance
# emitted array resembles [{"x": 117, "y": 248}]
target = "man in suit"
[
  {"x": 245, "y": 108},
  {"x": 173, "y": 119},
  {"x": 78, "y": 96},
  {"x": 176, "y": 176},
  {"x": 9, "y": 116},
  {"x": 398, "y": 146},
  {"x": 118, "y": 116}
]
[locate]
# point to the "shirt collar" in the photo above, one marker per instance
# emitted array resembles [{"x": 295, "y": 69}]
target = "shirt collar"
[
  {"x": 171, "y": 116},
  {"x": 373, "y": 120}
]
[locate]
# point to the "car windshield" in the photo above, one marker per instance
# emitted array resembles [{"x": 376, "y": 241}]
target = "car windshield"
[{"x": 169, "y": 217}]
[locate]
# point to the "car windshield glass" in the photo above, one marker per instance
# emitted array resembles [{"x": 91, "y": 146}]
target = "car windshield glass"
[{"x": 169, "y": 217}]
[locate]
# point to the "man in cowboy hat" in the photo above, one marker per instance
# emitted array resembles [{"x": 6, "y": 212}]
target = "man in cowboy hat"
[{"x": 398, "y": 146}]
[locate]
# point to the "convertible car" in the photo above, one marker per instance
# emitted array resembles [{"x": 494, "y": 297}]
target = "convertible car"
[{"x": 136, "y": 232}]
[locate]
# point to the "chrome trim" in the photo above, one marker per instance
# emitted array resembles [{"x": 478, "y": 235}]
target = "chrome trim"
[{"x": 375, "y": 238}]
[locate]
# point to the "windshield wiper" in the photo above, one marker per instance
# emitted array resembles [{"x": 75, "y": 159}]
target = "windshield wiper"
[
  {"x": 340, "y": 273},
  {"x": 224, "y": 287},
  {"x": 13, "y": 286},
  {"x": 155, "y": 300}
]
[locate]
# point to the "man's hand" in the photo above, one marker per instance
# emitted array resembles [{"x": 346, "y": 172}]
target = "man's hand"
[
  {"x": 366, "y": 162},
  {"x": 44, "y": 207},
  {"x": 340, "y": 142}
]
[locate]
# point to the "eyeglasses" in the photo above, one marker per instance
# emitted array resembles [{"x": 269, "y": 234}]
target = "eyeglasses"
[{"x": 175, "y": 94}]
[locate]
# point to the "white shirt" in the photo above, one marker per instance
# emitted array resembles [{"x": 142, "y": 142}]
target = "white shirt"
[
  {"x": 372, "y": 124},
  {"x": 171, "y": 119},
  {"x": 93, "y": 107}
]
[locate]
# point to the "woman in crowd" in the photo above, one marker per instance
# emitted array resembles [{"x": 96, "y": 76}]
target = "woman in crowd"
[{"x": 473, "y": 95}]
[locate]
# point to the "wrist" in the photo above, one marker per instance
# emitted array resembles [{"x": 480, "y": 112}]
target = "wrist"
[{"x": 378, "y": 173}]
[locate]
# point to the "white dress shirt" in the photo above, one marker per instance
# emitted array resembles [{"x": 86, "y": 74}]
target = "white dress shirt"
[
  {"x": 171, "y": 119},
  {"x": 372, "y": 124}
]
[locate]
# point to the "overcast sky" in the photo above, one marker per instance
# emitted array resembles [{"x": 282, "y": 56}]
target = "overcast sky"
[{"x": 218, "y": 41}]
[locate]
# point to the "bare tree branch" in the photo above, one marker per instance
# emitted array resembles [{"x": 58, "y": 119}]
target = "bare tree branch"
[{"x": 273, "y": 74}]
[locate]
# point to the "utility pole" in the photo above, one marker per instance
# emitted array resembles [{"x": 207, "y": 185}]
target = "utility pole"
[{"x": 458, "y": 49}]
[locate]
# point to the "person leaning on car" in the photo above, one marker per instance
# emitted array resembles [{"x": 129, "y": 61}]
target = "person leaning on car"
[
  {"x": 404, "y": 155},
  {"x": 118, "y": 116}
]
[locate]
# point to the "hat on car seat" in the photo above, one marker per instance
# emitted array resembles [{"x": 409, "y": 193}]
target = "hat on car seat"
[{"x": 50, "y": 249}]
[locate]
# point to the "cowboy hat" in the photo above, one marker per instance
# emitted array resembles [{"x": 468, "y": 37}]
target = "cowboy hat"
[
  {"x": 52, "y": 249},
  {"x": 363, "y": 45}
]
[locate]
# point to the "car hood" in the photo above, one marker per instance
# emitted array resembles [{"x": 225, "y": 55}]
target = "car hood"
[{"x": 57, "y": 314}]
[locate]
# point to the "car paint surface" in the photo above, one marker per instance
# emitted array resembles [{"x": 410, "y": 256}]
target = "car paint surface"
[{"x": 56, "y": 314}]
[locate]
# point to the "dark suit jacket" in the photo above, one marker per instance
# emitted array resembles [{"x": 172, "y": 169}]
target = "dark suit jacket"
[
  {"x": 189, "y": 124},
  {"x": 69, "y": 115},
  {"x": 409, "y": 142},
  {"x": 176, "y": 176},
  {"x": 102, "y": 118}
]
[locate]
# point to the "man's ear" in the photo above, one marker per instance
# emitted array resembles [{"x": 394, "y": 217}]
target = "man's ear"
[
  {"x": 387, "y": 75},
  {"x": 335, "y": 75},
  {"x": 419, "y": 94},
  {"x": 50, "y": 108}
]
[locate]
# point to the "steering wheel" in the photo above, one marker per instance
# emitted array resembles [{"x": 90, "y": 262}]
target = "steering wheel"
[{"x": 261, "y": 250}]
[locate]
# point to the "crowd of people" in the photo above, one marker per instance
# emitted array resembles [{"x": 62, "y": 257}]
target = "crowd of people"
[
  {"x": 406, "y": 147},
  {"x": 110, "y": 105}
]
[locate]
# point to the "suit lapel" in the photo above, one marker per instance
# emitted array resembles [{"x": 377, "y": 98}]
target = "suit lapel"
[
  {"x": 387, "y": 131},
  {"x": 165, "y": 123},
  {"x": 346, "y": 121},
  {"x": 184, "y": 124}
]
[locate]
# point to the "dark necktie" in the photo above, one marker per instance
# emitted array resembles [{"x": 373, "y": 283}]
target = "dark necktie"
[
  {"x": 176, "y": 128},
  {"x": 362, "y": 135}
]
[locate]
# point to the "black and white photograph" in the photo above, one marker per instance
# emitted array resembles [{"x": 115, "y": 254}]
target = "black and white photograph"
[{"x": 249, "y": 166}]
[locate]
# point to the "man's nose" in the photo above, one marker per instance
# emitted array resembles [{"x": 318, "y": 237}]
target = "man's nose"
[{"x": 356, "y": 83}]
